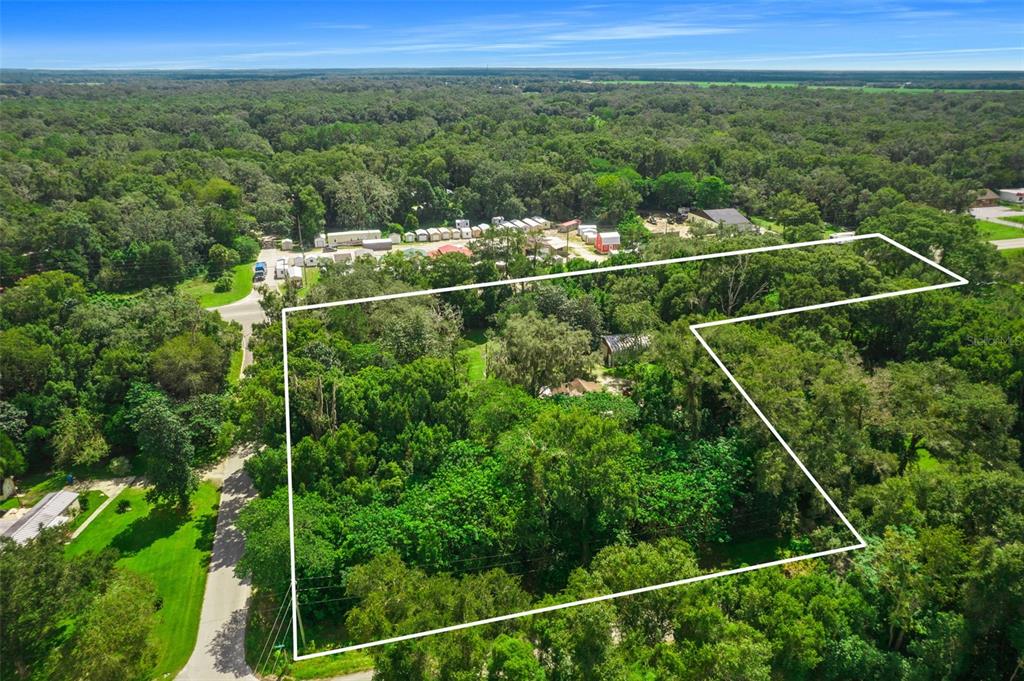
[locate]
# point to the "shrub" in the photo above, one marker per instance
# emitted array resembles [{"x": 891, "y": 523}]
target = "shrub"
[
  {"x": 119, "y": 466},
  {"x": 246, "y": 247},
  {"x": 224, "y": 282},
  {"x": 124, "y": 506}
]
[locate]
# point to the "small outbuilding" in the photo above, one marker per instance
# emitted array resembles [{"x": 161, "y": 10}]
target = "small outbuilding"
[
  {"x": 986, "y": 199},
  {"x": 567, "y": 226},
  {"x": 607, "y": 242},
  {"x": 287, "y": 244},
  {"x": 620, "y": 348}
]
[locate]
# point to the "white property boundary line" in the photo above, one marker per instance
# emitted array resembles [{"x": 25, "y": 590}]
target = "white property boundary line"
[{"x": 695, "y": 329}]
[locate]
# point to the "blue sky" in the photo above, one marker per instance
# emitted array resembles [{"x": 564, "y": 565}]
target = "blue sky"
[{"x": 757, "y": 34}]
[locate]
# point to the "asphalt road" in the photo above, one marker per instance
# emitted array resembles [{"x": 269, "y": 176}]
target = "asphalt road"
[{"x": 1007, "y": 244}]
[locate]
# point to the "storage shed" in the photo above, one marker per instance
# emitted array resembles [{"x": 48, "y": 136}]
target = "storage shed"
[
  {"x": 607, "y": 242},
  {"x": 622, "y": 347}
]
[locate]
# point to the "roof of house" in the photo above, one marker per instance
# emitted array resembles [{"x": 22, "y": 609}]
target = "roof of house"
[
  {"x": 569, "y": 223},
  {"x": 577, "y": 387},
  {"x": 626, "y": 342},
  {"x": 729, "y": 216},
  {"x": 49, "y": 512},
  {"x": 449, "y": 248},
  {"x": 609, "y": 237}
]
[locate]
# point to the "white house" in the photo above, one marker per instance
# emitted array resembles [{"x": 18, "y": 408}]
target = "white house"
[{"x": 1012, "y": 195}]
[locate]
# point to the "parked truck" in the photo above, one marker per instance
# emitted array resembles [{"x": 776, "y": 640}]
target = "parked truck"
[{"x": 259, "y": 272}]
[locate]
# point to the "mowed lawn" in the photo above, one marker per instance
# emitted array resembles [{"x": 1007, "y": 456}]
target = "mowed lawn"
[
  {"x": 172, "y": 549},
  {"x": 993, "y": 230},
  {"x": 202, "y": 290}
]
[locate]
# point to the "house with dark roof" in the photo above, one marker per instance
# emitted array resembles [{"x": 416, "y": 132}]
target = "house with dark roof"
[
  {"x": 577, "y": 387},
  {"x": 986, "y": 198},
  {"x": 722, "y": 217},
  {"x": 623, "y": 347}
]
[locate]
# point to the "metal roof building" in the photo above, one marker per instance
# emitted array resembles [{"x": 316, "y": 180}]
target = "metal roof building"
[{"x": 52, "y": 510}]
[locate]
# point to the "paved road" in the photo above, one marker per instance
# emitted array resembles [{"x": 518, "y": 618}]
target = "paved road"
[
  {"x": 1007, "y": 244},
  {"x": 219, "y": 654}
]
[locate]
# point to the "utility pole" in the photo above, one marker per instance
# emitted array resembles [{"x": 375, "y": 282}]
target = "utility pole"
[{"x": 298, "y": 228}]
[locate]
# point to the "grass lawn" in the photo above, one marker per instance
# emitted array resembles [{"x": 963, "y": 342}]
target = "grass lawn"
[
  {"x": 36, "y": 487},
  {"x": 170, "y": 548},
  {"x": 90, "y": 501},
  {"x": 1015, "y": 218},
  {"x": 770, "y": 225},
  {"x": 202, "y": 290},
  {"x": 994, "y": 230},
  {"x": 312, "y": 277},
  {"x": 476, "y": 362},
  {"x": 261, "y": 616},
  {"x": 236, "y": 366}
]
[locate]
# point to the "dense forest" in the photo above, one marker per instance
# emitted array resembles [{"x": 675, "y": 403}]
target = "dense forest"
[
  {"x": 139, "y": 183},
  {"x": 437, "y": 480}
]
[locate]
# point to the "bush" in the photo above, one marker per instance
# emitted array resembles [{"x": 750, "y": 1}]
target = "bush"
[
  {"x": 119, "y": 466},
  {"x": 246, "y": 247},
  {"x": 124, "y": 506},
  {"x": 224, "y": 282}
]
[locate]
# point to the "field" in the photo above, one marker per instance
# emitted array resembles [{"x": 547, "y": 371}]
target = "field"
[
  {"x": 171, "y": 549},
  {"x": 202, "y": 290},
  {"x": 993, "y": 230}
]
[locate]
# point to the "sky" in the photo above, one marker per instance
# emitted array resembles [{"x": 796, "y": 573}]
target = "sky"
[{"x": 754, "y": 34}]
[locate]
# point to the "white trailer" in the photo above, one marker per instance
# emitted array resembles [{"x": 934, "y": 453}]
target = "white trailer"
[
  {"x": 377, "y": 244},
  {"x": 352, "y": 237}
]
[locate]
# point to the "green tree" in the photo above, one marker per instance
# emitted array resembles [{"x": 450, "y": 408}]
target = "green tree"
[
  {"x": 934, "y": 406},
  {"x": 712, "y": 192},
  {"x": 114, "y": 640},
  {"x": 219, "y": 259},
  {"x": 190, "y": 364},
  {"x": 309, "y": 211},
  {"x": 46, "y": 297},
  {"x": 790, "y": 210},
  {"x": 166, "y": 446},
  {"x": 616, "y": 197},
  {"x": 534, "y": 352},
  {"x": 77, "y": 440},
  {"x": 221, "y": 192},
  {"x": 674, "y": 190}
]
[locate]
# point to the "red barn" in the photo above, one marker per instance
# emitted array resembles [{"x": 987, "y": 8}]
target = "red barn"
[{"x": 607, "y": 242}]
